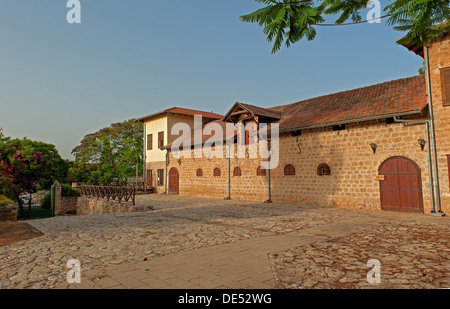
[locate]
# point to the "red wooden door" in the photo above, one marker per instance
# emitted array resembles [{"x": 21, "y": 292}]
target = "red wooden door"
[
  {"x": 174, "y": 181},
  {"x": 401, "y": 190}
]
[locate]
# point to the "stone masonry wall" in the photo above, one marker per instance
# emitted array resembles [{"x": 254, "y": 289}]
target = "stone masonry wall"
[
  {"x": 354, "y": 167},
  {"x": 439, "y": 56},
  {"x": 90, "y": 206},
  {"x": 154, "y": 166},
  {"x": 8, "y": 213}
]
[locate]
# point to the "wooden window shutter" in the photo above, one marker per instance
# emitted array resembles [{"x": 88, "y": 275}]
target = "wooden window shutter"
[
  {"x": 250, "y": 131},
  {"x": 289, "y": 170},
  {"x": 260, "y": 171},
  {"x": 149, "y": 178},
  {"x": 161, "y": 139},
  {"x": 445, "y": 82},
  {"x": 237, "y": 171},
  {"x": 149, "y": 141},
  {"x": 199, "y": 172}
]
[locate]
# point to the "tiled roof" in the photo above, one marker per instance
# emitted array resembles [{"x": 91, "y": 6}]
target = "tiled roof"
[
  {"x": 398, "y": 96},
  {"x": 204, "y": 137},
  {"x": 255, "y": 110},
  {"x": 402, "y": 96},
  {"x": 182, "y": 111}
]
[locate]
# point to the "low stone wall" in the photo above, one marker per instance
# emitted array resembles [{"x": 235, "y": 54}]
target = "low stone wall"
[
  {"x": 8, "y": 213},
  {"x": 90, "y": 206},
  {"x": 66, "y": 206}
]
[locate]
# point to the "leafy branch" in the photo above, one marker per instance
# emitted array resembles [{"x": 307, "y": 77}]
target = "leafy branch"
[{"x": 290, "y": 21}]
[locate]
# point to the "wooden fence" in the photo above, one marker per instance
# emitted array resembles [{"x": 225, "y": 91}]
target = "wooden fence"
[{"x": 116, "y": 193}]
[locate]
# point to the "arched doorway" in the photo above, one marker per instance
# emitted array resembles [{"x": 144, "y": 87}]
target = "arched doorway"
[
  {"x": 401, "y": 189},
  {"x": 174, "y": 181}
]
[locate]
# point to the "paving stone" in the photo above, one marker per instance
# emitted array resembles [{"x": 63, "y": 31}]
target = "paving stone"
[
  {"x": 107, "y": 282},
  {"x": 130, "y": 282},
  {"x": 237, "y": 240}
]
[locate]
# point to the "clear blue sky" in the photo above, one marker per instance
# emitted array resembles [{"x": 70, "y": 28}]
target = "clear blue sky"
[{"x": 60, "y": 81}]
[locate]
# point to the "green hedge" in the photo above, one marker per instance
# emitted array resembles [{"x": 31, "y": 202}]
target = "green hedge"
[
  {"x": 46, "y": 201},
  {"x": 68, "y": 191}
]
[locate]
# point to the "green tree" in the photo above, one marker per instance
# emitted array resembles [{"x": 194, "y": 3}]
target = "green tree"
[
  {"x": 290, "y": 21},
  {"x": 110, "y": 154},
  {"x": 26, "y": 164}
]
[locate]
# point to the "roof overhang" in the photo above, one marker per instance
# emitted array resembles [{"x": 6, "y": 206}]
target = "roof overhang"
[
  {"x": 356, "y": 120},
  {"x": 239, "y": 109},
  {"x": 171, "y": 112},
  {"x": 418, "y": 47}
]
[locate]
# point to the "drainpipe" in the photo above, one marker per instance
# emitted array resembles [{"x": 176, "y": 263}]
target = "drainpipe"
[
  {"x": 433, "y": 138},
  {"x": 268, "y": 173},
  {"x": 144, "y": 168},
  {"x": 430, "y": 170},
  {"x": 167, "y": 164}
]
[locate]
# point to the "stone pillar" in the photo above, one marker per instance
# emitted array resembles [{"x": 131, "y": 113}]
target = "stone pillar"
[{"x": 56, "y": 198}]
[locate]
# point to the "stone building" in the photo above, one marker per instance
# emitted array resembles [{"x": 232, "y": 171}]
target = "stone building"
[
  {"x": 367, "y": 148},
  {"x": 158, "y": 132}
]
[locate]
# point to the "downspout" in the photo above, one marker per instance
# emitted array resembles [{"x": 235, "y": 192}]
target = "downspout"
[
  {"x": 167, "y": 165},
  {"x": 144, "y": 168},
  {"x": 430, "y": 170},
  {"x": 269, "y": 157},
  {"x": 432, "y": 130}
]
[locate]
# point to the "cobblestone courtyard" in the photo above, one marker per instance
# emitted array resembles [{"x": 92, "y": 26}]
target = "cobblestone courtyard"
[{"x": 206, "y": 243}]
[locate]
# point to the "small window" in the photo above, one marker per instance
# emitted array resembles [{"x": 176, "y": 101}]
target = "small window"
[
  {"x": 161, "y": 139},
  {"x": 339, "y": 127},
  {"x": 289, "y": 170},
  {"x": 323, "y": 169},
  {"x": 237, "y": 171},
  {"x": 261, "y": 171},
  {"x": 390, "y": 120},
  {"x": 217, "y": 172},
  {"x": 199, "y": 172},
  {"x": 445, "y": 83}
]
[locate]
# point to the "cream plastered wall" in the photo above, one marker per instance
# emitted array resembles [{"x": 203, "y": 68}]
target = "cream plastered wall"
[{"x": 153, "y": 126}]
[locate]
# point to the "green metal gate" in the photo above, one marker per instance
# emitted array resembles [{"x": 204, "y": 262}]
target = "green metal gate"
[{"x": 36, "y": 210}]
